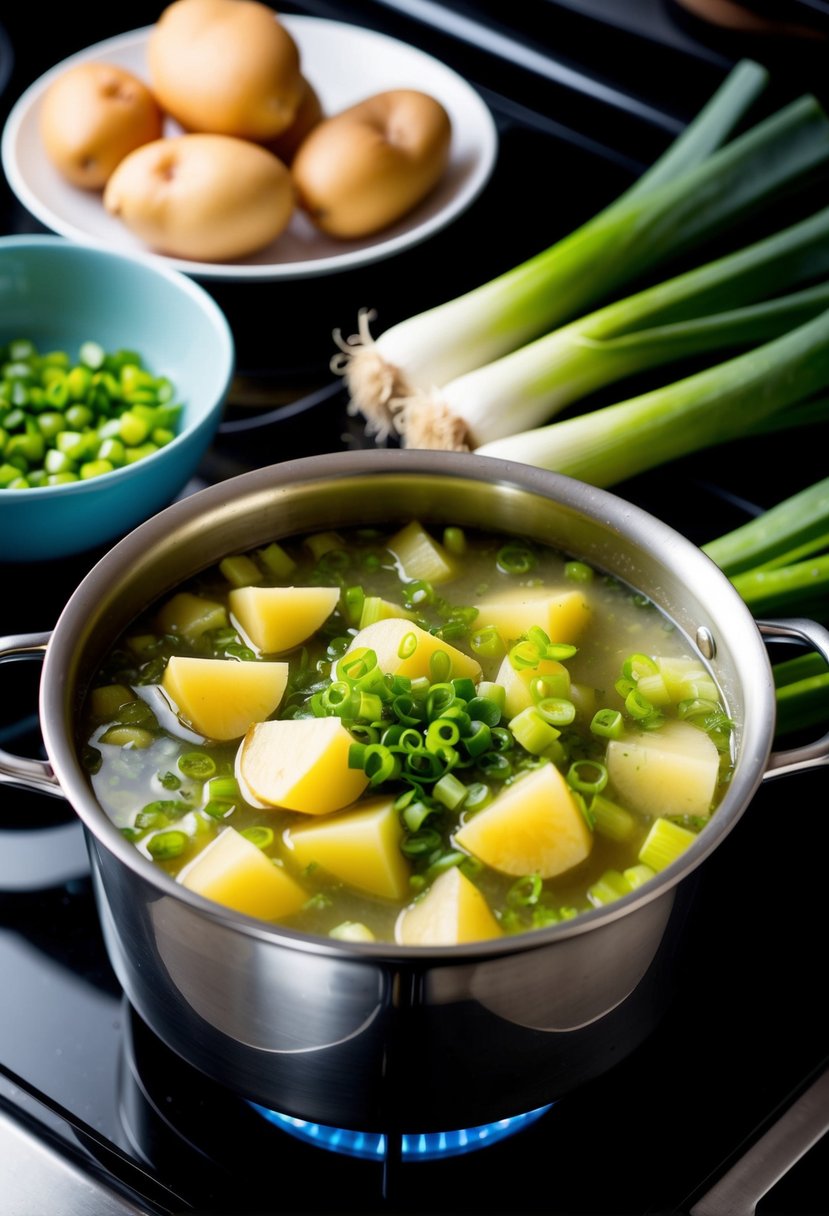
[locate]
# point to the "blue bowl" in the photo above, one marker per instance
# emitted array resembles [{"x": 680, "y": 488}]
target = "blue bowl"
[{"x": 59, "y": 294}]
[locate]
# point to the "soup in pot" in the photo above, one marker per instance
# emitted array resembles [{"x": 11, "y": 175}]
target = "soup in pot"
[{"x": 427, "y": 736}]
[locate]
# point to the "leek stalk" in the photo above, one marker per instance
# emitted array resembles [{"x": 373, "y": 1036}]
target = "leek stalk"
[
  {"x": 712, "y": 406},
  {"x": 637, "y": 232},
  {"x": 801, "y": 587},
  {"x": 802, "y": 704},
  {"x": 778, "y": 561},
  {"x": 663, "y": 323},
  {"x": 789, "y": 527},
  {"x": 801, "y": 693}
]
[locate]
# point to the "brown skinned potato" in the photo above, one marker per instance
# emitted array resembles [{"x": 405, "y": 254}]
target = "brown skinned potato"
[
  {"x": 227, "y": 67},
  {"x": 367, "y": 166},
  {"x": 93, "y": 115},
  {"x": 309, "y": 115},
  {"x": 201, "y": 196}
]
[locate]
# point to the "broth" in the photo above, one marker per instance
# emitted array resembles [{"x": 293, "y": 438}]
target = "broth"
[{"x": 592, "y": 684}]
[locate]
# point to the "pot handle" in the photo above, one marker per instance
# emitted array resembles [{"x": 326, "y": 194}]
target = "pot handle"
[
  {"x": 811, "y": 755},
  {"x": 20, "y": 770}
]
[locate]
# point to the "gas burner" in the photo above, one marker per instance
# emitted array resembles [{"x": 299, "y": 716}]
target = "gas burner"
[{"x": 415, "y": 1146}]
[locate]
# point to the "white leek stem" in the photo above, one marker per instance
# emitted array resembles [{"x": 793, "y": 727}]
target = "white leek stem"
[
  {"x": 721, "y": 403},
  {"x": 632, "y": 235},
  {"x": 530, "y": 386}
]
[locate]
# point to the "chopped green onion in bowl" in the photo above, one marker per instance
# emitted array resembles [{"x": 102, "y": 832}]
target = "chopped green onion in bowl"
[
  {"x": 67, "y": 418},
  {"x": 114, "y": 373}
]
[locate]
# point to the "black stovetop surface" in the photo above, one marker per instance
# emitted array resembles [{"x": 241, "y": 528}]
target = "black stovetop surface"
[{"x": 747, "y": 1029}]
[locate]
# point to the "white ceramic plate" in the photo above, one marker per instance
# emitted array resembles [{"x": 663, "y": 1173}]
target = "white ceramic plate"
[{"x": 345, "y": 63}]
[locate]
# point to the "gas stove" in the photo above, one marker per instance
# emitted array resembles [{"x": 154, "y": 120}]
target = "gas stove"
[{"x": 729, "y": 1093}]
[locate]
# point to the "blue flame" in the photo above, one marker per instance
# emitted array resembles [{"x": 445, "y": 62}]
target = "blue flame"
[{"x": 417, "y": 1146}]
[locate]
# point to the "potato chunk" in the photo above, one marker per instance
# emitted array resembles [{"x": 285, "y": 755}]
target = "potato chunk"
[
  {"x": 299, "y": 764},
  {"x": 232, "y": 871},
  {"x": 220, "y": 699},
  {"x": 517, "y": 685},
  {"x": 279, "y": 618},
  {"x": 562, "y": 614},
  {"x": 452, "y": 911},
  {"x": 534, "y": 826},
  {"x": 361, "y": 847},
  {"x": 420, "y": 556},
  {"x": 191, "y": 615},
  {"x": 387, "y": 637},
  {"x": 670, "y": 771}
]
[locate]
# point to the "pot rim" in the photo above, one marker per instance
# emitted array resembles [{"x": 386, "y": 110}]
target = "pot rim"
[{"x": 601, "y": 506}]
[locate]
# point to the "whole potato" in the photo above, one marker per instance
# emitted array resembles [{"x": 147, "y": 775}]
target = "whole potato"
[
  {"x": 226, "y": 67},
  {"x": 91, "y": 116},
  {"x": 309, "y": 115},
  {"x": 367, "y": 166},
  {"x": 203, "y": 197}
]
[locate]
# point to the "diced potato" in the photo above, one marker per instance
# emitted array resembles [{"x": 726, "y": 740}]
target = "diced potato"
[
  {"x": 386, "y": 637},
  {"x": 278, "y": 618},
  {"x": 563, "y": 614},
  {"x": 452, "y": 911},
  {"x": 361, "y": 847},
  {"x": 233, "y": 871},
  {"x": 534, "y": 826},
  {"x": 420, "y": 556},
  {"x": 670, "y": 771},
  {"x": 220, "y": 699},
  {"x": 300, "y": 764},
  {"x": 517, "y": 685},
  {"x": 191, "y": 615}
]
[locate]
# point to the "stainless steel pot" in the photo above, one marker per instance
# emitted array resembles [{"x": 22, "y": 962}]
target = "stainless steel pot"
[{"x": 374, "y": 1036}]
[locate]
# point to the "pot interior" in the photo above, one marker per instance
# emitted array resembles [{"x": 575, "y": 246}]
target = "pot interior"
[{"x": 377, "y": 487}]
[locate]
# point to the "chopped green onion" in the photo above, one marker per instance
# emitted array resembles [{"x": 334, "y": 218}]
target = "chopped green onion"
[
  {"x": 610, "y": 819},
  {"x": 197, "y": 765},
  {"x": 415, "y": 814},
  {"x": 636, "y": 876},
  {"x": 533, "y": 732},
  {"x": 219, "y": 808},
  {"x": 515, "y": 558},
  {"x": 609, "y": 887},
  {"x": 420, "y": 843},
  {"x": 478, "y": 795},
  {"x": 454, "y": 541},
  {"x": 664, "y": 843},
  {"x": 525, "y": 892},
  {"x": 587, "y": 776},
  {"x": 607, "y": 723},
  {"x": 578, "y": 572},
  {"x": 450, "y": 791},
  {"x": 166, "y": 845},
  {"x": 259, "y": 835},
  {"x": 487, "y": 643},
  {"x": 127, "y": 736}
]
